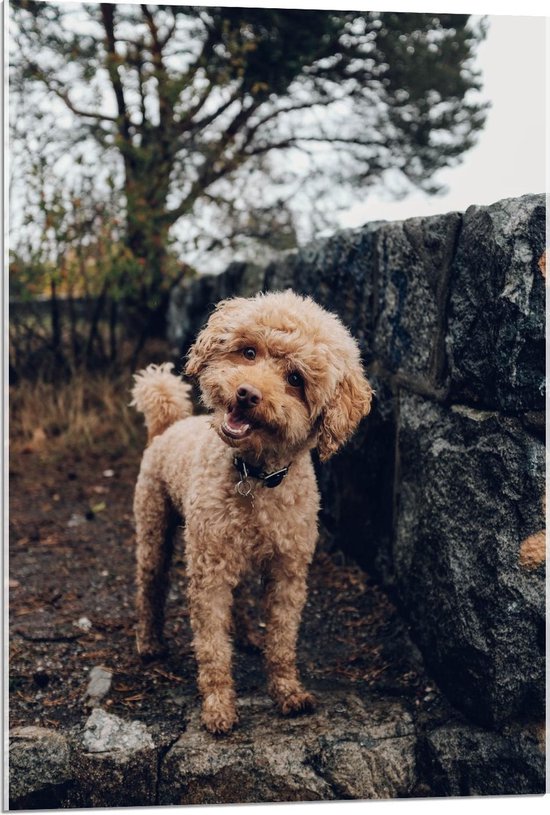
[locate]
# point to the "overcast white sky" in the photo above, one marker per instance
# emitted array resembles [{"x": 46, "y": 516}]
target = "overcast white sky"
[{"x": 509, "y": 158}]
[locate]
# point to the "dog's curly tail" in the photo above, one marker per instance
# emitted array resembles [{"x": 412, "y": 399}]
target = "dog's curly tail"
[{"x": 162, "y": 397}]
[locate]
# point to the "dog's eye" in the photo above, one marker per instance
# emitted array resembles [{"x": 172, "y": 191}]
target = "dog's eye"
[
  {"x": 249, "y": 353},
  {"x": 295, "y": 380}
]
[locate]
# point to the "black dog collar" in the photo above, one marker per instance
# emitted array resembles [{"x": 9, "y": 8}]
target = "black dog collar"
[{"x": 247, "y": 471}]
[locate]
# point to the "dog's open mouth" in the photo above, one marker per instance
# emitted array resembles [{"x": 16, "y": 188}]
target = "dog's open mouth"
[{"x": 236, "y": 424}]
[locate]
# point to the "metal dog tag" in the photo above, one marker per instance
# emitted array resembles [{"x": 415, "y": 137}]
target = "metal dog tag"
[{"x": 244, "y": 487}]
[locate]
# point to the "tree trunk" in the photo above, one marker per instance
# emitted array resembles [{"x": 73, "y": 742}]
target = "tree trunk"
[
  {"x": 55, "y": 318},
  {"x": 113, "y": 322},
  {"x": 75, "y": 345},
  {"x": 147, "y": 239},
  {"x": 94, "y": 335}
]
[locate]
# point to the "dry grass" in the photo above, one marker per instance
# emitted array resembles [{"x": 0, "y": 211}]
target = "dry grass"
[{"x": 89, "y": 411}]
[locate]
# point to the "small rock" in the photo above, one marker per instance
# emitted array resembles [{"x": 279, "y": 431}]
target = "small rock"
[
  {"x": 76, "y": 519},
  {"x": 99, "y": 685},
  {"x": 105, "y": 733},
  {"x": 108, "y": 473},
  {"x": 84, "y": 623}
]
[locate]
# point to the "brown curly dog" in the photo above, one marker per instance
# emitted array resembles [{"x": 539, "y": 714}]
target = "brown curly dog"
[{"x": 280, "y": 376}]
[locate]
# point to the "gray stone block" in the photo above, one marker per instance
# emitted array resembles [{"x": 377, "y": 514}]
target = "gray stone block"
[
  {"x": 413, "y": 260},
  {"x": 495, "y": 340},
  {"x": 464, "y": 760},
  {"x": 39, "y": 767},
  {"x": 470, "y": 504},
  {"x": 375, "y": 760}
]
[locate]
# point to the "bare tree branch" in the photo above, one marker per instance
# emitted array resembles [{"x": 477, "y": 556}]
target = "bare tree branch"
[
  {"x": 201, "y": 124},
  {"x": 88, "y": 114},
  {"x": 210, "y": 172},
  {"x": 107, "y": 14},
  {"x": 166, "y": 107}
]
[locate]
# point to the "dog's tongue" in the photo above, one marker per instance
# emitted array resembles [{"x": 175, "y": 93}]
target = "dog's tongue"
[{"x": 235, "y": 424}]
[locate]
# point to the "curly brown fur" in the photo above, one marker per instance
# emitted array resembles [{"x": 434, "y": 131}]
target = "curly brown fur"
[{"x": 280, "y": 376}]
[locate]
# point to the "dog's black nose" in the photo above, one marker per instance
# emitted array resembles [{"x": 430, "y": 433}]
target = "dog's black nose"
[{"x": 248, "y": 396}]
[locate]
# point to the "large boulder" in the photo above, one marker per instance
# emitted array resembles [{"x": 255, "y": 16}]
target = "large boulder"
[
  {"x": 357, "y": 487},
  {"x": 471, "y": 487},
  {"x": 192, "y": 303}
]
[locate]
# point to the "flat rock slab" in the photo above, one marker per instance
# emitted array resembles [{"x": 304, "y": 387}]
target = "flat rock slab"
[
  {"x": 352, "y": 747},
  {"x": 347, "y": 749}
]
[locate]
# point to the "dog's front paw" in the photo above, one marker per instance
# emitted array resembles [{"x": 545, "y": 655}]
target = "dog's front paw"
[
  {"x": 219, "y": 714},
  {"x": 291, "y": 698}
]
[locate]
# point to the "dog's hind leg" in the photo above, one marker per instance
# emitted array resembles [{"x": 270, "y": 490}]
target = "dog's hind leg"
[{"x": 156, "y": 523}]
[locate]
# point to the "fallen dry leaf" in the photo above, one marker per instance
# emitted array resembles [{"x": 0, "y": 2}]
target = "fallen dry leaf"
[{"x": 51, "y": 540}]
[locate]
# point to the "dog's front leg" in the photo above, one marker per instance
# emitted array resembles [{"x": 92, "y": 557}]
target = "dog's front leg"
[
  {"x": 210, "y": 601},
  {"x": 284, "y": 600}
]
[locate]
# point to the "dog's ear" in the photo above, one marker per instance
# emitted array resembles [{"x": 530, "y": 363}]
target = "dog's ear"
[
  {"x": 201, "y": 351},
  {"x": 212, "y": 337},
  {"x": 351, "y": 401}
]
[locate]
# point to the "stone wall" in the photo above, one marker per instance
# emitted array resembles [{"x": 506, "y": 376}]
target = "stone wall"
[{"x": 441, "y": 491}]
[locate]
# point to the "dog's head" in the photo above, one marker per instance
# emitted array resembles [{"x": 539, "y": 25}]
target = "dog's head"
[{"x": 279, "y": 373}]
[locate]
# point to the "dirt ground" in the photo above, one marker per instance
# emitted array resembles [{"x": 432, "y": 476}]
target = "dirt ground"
[{"x": 71, "y": 607}]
